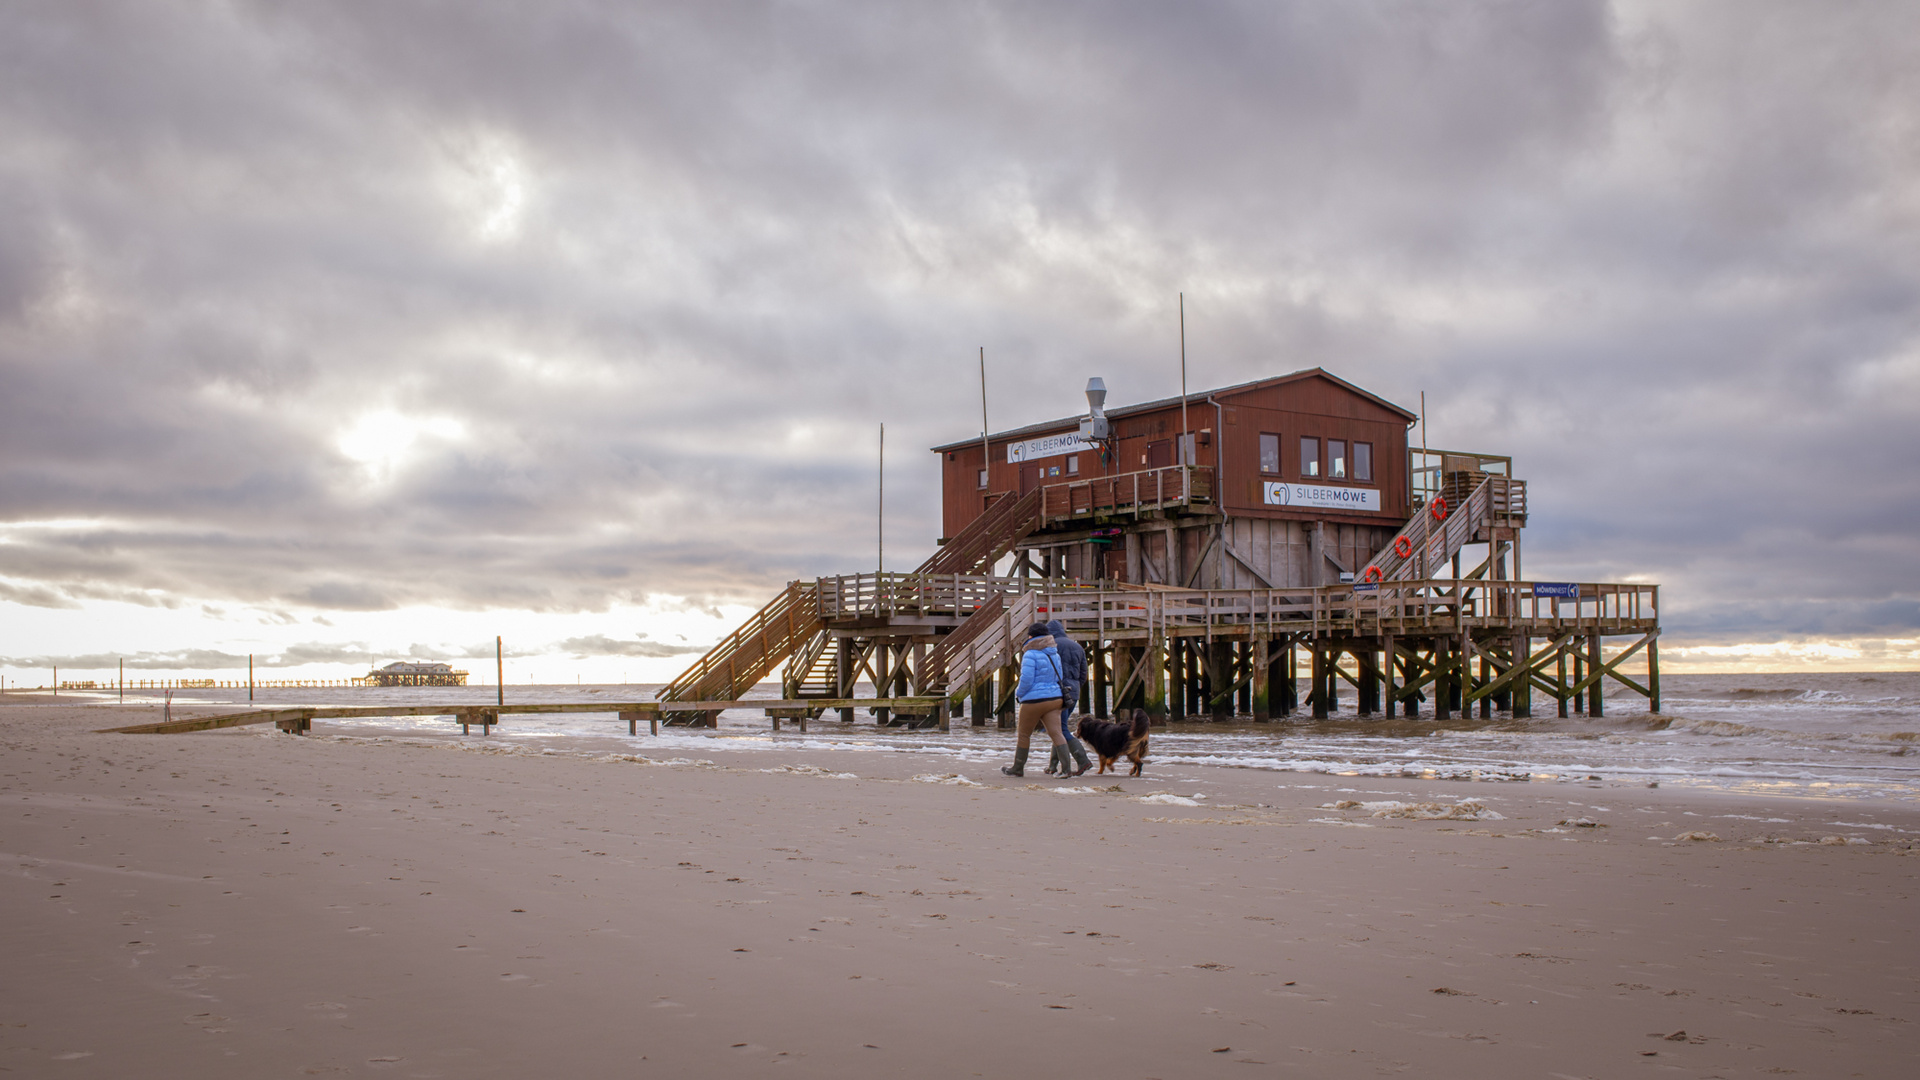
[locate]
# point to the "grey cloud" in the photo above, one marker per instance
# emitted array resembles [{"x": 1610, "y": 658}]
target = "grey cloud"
[
  {"x": 729, "y": 239},
  {"x": 601, "y": 645}
]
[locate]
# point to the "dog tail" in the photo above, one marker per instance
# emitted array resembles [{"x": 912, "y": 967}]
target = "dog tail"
[{"x": 1140, "y": 723}]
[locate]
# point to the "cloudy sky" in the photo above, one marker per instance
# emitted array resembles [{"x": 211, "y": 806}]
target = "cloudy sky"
[{"x": 340, "y": 332}]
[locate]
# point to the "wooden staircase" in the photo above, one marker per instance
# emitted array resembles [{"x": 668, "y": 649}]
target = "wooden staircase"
[
  {"x": 1473, "y": 501},
  {"x": 974, "y": 549},
  {"x": 811, "y": 672},
  {"x": 744, "y": 657},
  {"x": 791, "y": 629},
  {"x": 982, "y": 645}
]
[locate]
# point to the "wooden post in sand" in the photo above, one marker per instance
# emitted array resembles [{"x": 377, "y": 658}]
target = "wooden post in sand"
[
  {"x": 1122, "y": 676},
  {"x": 1521, "y": 688},
  {"x": 1560, "y": 680},
  {"x": 1097, "y": 665},
  {"x": 1176, "y": 680},
  {"x": 1156, "y": 678},
  {"x": 1389, "y": 650},
  {"x": 1596, "y": 700},
  {"x": 1260, "y": 680},
  {"x": 843, "y": 674},
  {"x": 1653, "y": 675}
]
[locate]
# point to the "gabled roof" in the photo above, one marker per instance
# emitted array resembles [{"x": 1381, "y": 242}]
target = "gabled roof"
[{"x": 1194, "y": 398}]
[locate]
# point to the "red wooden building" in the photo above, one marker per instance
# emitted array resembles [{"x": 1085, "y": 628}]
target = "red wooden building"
[{"x": 1294, "y": 480}]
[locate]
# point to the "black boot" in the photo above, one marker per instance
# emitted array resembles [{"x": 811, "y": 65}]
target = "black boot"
[
  {"x": 1079, "y": 752},
  {"x": 1019, "y": 766}
]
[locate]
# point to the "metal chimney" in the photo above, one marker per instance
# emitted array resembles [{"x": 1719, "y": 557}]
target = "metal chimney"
[{"x": 1095, "y": 425}]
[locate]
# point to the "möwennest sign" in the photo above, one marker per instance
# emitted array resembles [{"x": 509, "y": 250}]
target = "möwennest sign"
[
  {"x": 1047, "y": 446},
  {"x": 1319, "y": 496}
]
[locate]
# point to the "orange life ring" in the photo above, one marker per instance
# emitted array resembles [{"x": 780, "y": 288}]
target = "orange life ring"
[
  {"x": 1403, "y": 546},
  {"x": 1371, "y": 573},
  {"x": 1439, "y": 507}
]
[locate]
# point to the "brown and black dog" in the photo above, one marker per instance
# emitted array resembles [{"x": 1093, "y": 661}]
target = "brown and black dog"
[{"x": 1113, "y": 741}]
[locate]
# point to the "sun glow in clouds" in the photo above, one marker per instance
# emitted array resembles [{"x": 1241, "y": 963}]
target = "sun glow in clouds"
[{"x": 382, "y": 441}]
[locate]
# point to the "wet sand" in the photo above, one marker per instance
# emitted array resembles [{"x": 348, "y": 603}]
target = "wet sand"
[{"x": 250, "y": 904}]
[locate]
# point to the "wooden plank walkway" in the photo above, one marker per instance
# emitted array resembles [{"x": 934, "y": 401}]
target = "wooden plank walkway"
[{"x": 301, "y": 717}]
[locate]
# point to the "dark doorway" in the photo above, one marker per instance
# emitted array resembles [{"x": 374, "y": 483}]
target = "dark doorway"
[{"x": 1160, "y": 454}]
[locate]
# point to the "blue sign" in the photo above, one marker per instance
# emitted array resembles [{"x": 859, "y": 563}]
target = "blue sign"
[
  {"x": 1564, "y": 590},
  {"x": 1367, "y": 588}
]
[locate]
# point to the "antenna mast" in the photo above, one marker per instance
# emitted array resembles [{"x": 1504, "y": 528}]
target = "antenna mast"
[
  {"x": 880, "y": 518},
  {"x": 1180, "y": 452},
  {"x": 986, "y": 452}
]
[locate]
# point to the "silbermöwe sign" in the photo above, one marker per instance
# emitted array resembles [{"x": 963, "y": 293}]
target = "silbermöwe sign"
[
  {"x": 1047, "y": 446},
  {"x": 1319, "y": 496}
]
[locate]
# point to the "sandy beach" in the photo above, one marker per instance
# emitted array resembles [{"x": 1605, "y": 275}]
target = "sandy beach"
[{"x": 251, "y": 904}]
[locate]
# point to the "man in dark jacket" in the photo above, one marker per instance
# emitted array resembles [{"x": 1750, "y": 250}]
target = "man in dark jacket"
[{"x": 1073, "y": 667}]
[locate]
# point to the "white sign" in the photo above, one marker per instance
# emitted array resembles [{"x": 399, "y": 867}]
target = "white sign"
[
  {"x": 1319, "y": 496},
  {"x": 1048, "y": 446}
]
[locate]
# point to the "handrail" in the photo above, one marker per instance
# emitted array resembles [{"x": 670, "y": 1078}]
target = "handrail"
[
  {"x": 987, "y": 538},
  {"x": 1421, "y": 606},
  {"x": 745, "y": 656},
  {"x": 981, "y": 645},
  {"x": 1133, "y": 492}
]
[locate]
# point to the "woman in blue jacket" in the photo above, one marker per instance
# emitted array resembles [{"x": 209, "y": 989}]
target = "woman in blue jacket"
[{"x": 1039, "y": 694}]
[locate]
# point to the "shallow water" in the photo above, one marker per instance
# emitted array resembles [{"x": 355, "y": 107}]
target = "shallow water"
[{"x": 1817, "y": 735}]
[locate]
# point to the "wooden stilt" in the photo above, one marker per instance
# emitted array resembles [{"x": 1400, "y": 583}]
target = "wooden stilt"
[
  {"x": 1653, "y": 675},
  {"x": 1391, "y": 654},
  {"x": 1155, "y": 680},
  {"x": 1484, "y": 676},
  {"x": 1178, "y": 689},
  {"x": 843, "y": 675},
  {"x": 1219, "y": 694},
  {"x": 1522, "y": 692},
  {"x": 1243, "y": 677},
  {"x": 1097, "y": 661},
  {"x": 1290, "y": 678},
  {"x": 1560, "y": 682},
  {"x": 1319, "y": 649},
  {"x": 1258, "y": 654},
  {"x": 1596, "y": 701}
]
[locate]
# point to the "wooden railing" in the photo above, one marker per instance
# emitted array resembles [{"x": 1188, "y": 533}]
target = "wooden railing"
[
  {"x": 1426, "y": 606},
  {"x": 1474, "y": 501},
  {"x": 744, "y": 657},
  {"x": 1127, "y": 493},
  {"x": 981, "y": 645},
  {"x": 975, "y": 548},
  {"x": 854, "y": 595}
]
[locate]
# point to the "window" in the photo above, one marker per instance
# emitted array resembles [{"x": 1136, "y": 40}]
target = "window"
[
  {"x": 1363, "y": 461},
  {"x": 1186, "y": 449},
  {"x": 1309, "y": 457},
  {"x": 983, "y": 479},
  {"x": 1269, "y": 453},
  {"x": 1073, "y": 465},
  {"x": 1337, "y": 458}
]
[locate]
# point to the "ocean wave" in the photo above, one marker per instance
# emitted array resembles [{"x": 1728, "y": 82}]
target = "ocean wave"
[{"x": 1733, "y": 729}]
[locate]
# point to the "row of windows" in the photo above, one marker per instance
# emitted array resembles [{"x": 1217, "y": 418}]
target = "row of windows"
[
  {"x": 1342, "y": 460},
  {"x": 1072, "y": 469}
]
